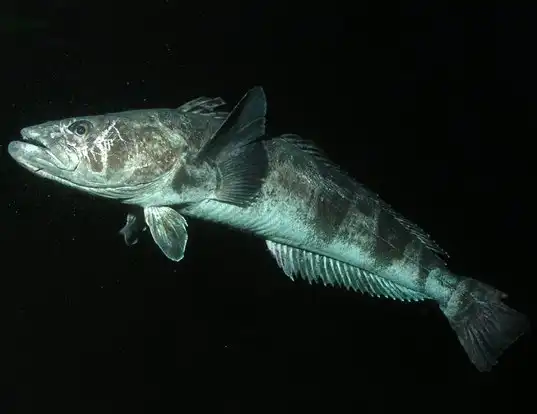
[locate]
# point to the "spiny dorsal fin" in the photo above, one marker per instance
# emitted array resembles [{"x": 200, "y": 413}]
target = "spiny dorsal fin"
[
  {"x": 317, "y": 268},
  {"x": 350, "y": 188},
  {"x": 204, "y": 106}
]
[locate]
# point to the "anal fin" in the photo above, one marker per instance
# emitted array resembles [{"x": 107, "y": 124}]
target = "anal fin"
[{"x": 317, "y": 268}]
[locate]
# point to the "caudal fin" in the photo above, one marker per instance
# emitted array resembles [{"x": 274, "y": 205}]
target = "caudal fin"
[{"x": 484, "y": 325}]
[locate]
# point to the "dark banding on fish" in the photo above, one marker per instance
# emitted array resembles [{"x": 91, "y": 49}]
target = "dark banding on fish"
[{"x": 199, "y": 161}]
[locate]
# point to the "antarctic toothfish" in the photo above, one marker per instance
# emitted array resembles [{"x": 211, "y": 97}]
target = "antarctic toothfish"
[{"x": 200, "y": 162}]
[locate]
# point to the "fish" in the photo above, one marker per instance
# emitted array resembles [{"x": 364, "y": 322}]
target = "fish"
[{"x": 201, "y": 161}]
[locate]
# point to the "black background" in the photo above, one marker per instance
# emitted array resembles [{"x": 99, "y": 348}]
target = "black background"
[{"x": 433, "y": 107}]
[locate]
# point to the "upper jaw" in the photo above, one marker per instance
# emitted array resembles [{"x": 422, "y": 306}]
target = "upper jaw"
[
  {"x": 32, "y": 152},
  {"x": 35, "y": 152},
  {"x": 32, "y": 138},
  {"x": 32, "y": 156}
]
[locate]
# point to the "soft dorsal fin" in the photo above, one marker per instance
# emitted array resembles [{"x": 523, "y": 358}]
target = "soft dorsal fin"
[
  {"x": 317, "y": 268},
  {"x": 349, "y": 187},
  {"x": 204, "y": 106}
]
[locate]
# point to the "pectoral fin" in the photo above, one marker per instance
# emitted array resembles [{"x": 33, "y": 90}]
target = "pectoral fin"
[
  {"x": 133, "y": 227},
  {"x": 168, "y": 229},
  {"x": 241, "y": 176},
  {"x": 234, "y": 149},
  {"x": 244, "y": 124}
]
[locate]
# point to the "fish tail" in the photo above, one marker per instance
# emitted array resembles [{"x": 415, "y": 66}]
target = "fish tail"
[{"x": 485, "y": 326}]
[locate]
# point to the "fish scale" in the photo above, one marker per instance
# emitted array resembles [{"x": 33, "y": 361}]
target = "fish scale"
[{"x": 200, "y": 162}]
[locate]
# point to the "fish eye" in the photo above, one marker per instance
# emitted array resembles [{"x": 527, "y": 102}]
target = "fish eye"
[{"x": 80, "y": 128}]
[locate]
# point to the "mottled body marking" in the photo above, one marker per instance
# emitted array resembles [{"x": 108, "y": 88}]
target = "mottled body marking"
[
  {"x": 197, "y": 161},
  {"x": 301, "y": 208}
]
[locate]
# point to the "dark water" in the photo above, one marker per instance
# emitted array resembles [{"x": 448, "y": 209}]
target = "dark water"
[{"x": 432, "y": 107}]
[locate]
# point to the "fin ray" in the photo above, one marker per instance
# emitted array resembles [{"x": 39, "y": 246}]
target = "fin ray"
[
  {"x": 241, "y": 176},
  {"x": 236, "y": 152},
  {"x": 132, "y": 228},
  {"x": 485, "y": 326},
  {"x": 204, "y": 106},
  {"x": 244, "y": 124},
  {"x": 168, "y": 229},
  {"x": 318, "y": 268}
]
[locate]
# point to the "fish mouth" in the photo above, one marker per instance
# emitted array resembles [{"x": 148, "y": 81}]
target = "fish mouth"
[
  {"x": 31, "y": 155},
  {"x": 36, "y": 156},
  {"x": 33, "y": 141}
]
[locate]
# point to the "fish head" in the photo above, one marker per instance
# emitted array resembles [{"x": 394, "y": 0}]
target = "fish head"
[{"x": 113, "y": 155}]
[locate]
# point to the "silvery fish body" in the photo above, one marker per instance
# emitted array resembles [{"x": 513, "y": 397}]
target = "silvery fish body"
[{"x": 197, "y": 161}]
